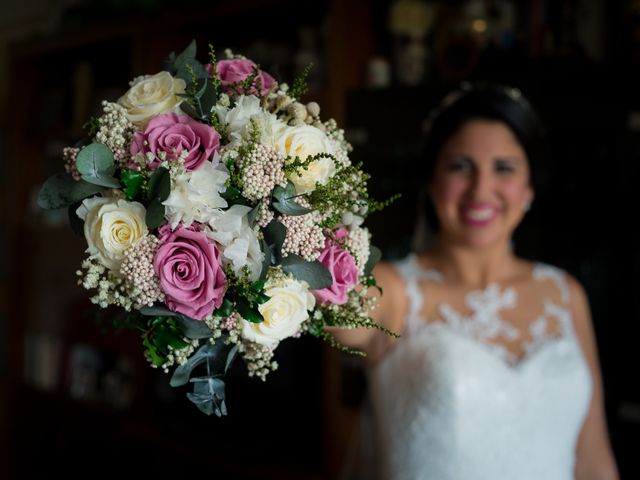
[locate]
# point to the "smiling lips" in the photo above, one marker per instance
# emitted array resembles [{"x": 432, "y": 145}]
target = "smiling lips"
[{"x": 478, "y": 214}]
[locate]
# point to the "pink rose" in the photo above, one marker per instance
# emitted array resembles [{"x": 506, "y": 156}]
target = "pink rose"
[
  {"x": 237, "y": 69},
  {"x": 343, "y": 269},
  {"x": 172, "y": 134},
  {"x": 188, "y": 266}
]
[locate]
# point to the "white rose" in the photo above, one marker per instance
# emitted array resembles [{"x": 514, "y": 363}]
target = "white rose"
[
  {"x": 110, "y": 227},
  {"x": 239, "y": 242},
  {"x": 195, "y": 195},
  {"x": 283, "y": 313},
  {"x": 152, "y": 95},
  {"x": 304, "y": 141}
]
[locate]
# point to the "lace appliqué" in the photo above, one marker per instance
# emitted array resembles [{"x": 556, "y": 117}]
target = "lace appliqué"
[
  {"x": 543, "y": 271},
  {"x": 484, "y": 324}
]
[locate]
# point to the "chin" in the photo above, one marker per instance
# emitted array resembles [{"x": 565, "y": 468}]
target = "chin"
[{"x": 482, "y": 238}]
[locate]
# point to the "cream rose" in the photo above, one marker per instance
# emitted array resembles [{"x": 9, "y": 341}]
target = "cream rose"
[
  {"x": 152, "y": 95},
  {"x": 110, "y": 227},
  {"x": 304, "y": 141},
  {"x": 283, "y": 313}
]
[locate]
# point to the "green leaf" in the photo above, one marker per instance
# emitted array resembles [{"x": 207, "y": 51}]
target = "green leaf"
[
  {"x": 182, "y": 71},
  {"x": 95, "y": 165},
  {"x": 167, "y": 336},
  {"x": 159, "y": 185},
  {"x": 249, "y": 313},
  {"x": 212, "y": 354},
  {"x": 154, "y": 217},
  {"x": 224, "y": 310},
  {"x": 188, "y": 53},
  {"x": 285, "y": 201},
  {"x": 253, "y": 214},
  {"x": 75, "y": 222},
  {"x": 314, "y": 273},
  {"x": 231, "y": 193},
  {"x": 157, "y": 310},
  {"x": 274, "y": 234},
  {"x": 267, "y": 260},
  {"x": 61, "y": 190},
  {"x": 258, "y": 286},
  {"x": 208, "y": 98},
  {"x": 190, "y": 110},
  {"x": 194, "y": 329},
  {"x": 374, "y": 257},
  {"x": 209, "y": 395},
  {"x": 230, "y": 357},
  {"x": 153, "y": 354},
  {"x": 133, "y": 182}
]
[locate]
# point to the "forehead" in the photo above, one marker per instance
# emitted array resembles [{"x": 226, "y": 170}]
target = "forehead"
[{"x": 484, "y": 136}]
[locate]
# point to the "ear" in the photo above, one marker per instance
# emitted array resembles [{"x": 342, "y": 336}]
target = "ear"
[{"x": 531, "y": 194}]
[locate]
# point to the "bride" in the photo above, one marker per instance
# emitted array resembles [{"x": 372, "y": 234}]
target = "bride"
[{"x": 495, "y": 375}]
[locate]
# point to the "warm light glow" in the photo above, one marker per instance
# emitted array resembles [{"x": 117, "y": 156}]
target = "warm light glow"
[{"x": 479, "y": 25}]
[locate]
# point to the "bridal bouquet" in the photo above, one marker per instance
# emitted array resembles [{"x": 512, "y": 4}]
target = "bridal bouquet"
[{"x": 222, "y": 215}]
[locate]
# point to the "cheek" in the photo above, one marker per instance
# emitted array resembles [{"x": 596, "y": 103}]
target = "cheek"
[
  {"x": 449, "y": 189},
  {"x": 516, "y": 192}
]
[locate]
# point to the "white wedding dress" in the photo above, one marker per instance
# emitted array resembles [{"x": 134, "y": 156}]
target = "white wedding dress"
[{"x": 450, "y": 402}]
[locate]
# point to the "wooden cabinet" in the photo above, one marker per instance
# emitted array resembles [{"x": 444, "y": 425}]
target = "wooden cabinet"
[{"x": 79, "y": 396}]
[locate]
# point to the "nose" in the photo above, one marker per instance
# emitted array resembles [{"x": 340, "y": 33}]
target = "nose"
[{"x": 481, "y": 185}]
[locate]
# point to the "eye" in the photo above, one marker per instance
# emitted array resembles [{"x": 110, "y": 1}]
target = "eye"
[
  {"x": 504, "y": 167},
  {"x": 459, "y": 164}
]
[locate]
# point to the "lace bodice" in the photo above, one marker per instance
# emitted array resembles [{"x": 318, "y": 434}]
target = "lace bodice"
[{"x": 453, "y": 399}]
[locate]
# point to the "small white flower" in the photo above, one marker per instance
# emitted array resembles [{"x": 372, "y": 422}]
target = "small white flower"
[
  {"x": 195, "y": 195},
  {"x": 239, "y": 241}
]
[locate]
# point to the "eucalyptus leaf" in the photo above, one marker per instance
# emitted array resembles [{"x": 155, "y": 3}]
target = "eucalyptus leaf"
[
  {"x": 253, "y": 214},
  {"x": 154, "y": 217},
  {"x": 61, "y": 190},
  {"x": 214, "y": 355},
  {"x": 209, "y": 395},
  {"x": 314, "y": 273},
  {"x": 274, "y": 234},
  {"x": 208, "y": 97},
  {"x": 168, "y": 65},
  {"x": 75, "y": 222},
  {"x": 268, "y": 258},
  {"x": 194, "y": 329},
  {"x": 159, "y": 185},
  {"x": 230, "y": 357},
  {"x": 188, "y": 53},
  {"x": 157, "y": 310},
  {"x": 284, "y": 200},
  {"x": 190, "y": 110},
  {"x": 374, "y": 257},
  {"x": 183, "y": 71},
  {"x": 95, "y": 165}
]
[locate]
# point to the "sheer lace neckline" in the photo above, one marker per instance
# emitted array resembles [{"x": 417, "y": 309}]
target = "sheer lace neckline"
[{"x": 484, "y": 323}]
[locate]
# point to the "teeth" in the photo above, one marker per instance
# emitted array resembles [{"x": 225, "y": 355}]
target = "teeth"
[{"x": 480, "y": 215}]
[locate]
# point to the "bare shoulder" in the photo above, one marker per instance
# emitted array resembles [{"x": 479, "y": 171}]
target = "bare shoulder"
[
  {"x": 391, "y": 306},
  {"x": 579, "y": 303}
]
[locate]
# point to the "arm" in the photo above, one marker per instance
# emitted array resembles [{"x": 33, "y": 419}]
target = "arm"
[
  {"x": 390, "y": 311},
  {"x": 594, "y": 458}
]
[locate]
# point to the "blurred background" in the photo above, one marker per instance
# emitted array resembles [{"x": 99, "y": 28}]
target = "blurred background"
[{"x": 79, "y": 399}]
